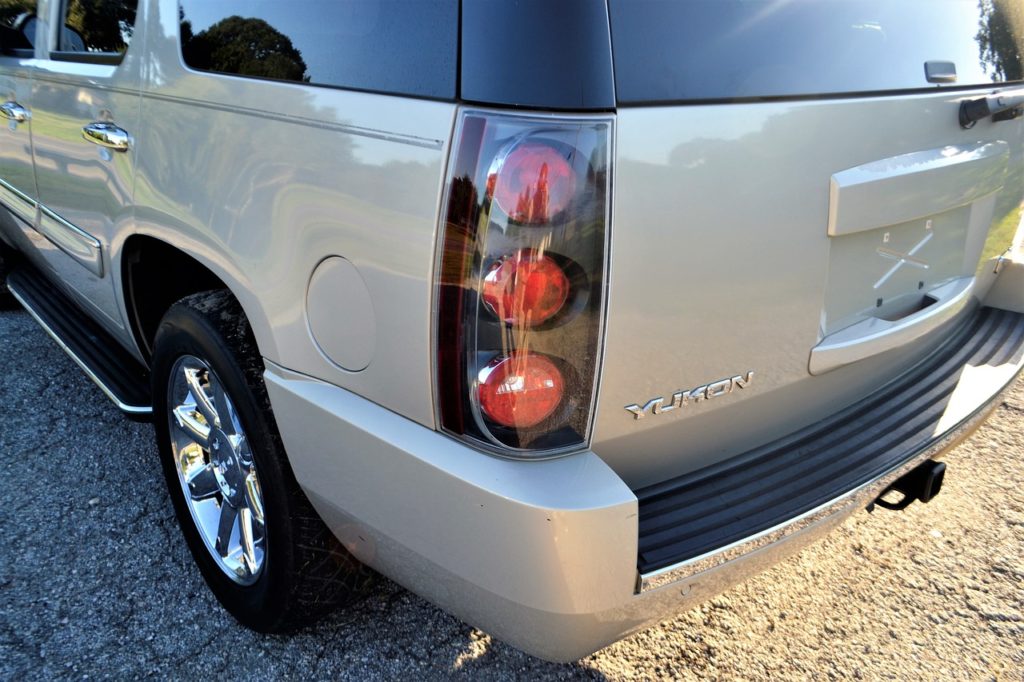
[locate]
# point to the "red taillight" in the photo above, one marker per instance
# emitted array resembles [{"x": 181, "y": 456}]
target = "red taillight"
[
  {"x": 521, "y": 390},
  {"x": 521, "y": 275},
  {"x": 532, "y": 182},
  {"x": 525, "y": 288}
]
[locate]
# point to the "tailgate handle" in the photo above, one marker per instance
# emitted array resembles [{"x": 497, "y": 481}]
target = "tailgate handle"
[
  {"x": 875, "y": 335},
  {"x": 915, "y": 185}
]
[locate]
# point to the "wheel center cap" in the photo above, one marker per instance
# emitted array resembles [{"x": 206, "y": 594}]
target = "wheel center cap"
[{"x": 225, "y": 466}]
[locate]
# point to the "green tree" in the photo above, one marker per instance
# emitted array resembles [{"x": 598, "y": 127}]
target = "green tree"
[
  {"x": 1001, "y": 38},
  {"x": 246, "y": 46},
  {"x": 105, "y": 25}
]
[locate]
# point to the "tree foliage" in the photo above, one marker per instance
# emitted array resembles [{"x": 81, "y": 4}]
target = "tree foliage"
[
  {"x": 246, "y": 46},
  {"x": 1001, "y": 38},
  {"x": 105, "y": 25}
]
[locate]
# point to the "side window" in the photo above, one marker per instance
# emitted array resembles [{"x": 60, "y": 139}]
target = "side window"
[
  {"x": 396, "y": 46},
  {"x": 17, "y": 27},
  {"x": 96, "y": 30}
]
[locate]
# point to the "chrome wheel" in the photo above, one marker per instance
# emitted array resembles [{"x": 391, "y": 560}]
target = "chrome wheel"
[{"x": 216, "y": 470}]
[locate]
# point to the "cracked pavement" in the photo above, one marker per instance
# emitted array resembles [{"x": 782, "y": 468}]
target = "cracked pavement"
[{"x": 96, "y": 582}]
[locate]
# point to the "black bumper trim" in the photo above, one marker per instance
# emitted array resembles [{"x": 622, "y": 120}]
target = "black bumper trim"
[{"x": 689, "y": 516}]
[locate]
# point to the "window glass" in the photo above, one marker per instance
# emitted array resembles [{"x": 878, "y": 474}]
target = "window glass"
[
  {"x": 17, "y": 24},
  {"x": 723, "y": 49},
  {"x": 399, "y": 46},
  {"x": 99, "y": 26}
]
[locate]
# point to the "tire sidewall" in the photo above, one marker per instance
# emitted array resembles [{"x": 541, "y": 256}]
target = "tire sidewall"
[{"x": 259, "y": 606}]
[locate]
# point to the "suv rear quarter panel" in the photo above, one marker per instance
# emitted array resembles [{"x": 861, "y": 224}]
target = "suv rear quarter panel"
[{"x": 262, "y": 180}]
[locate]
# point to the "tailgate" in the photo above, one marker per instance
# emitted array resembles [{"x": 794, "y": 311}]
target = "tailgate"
[{"x": 779, "y": 257}]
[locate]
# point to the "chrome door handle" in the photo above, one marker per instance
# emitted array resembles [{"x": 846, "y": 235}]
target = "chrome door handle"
[
  {"x": 106, "y": 135},
  {"x": 13, "y": 111}
]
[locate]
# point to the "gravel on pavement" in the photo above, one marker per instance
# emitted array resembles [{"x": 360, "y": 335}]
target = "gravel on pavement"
[{"x": 96, "y": 582}]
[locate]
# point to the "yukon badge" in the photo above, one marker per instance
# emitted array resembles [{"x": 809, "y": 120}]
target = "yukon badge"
[{"x": 684, "y": 397}]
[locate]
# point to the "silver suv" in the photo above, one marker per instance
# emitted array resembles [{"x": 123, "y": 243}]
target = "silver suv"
[{"x": 564, "y": 315}]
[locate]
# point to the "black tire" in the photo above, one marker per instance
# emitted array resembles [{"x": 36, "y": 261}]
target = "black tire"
[{"x": 305, "y": 571}]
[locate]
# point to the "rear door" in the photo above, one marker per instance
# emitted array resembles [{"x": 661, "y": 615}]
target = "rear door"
[
  {"x": 85, "y": 113},
  {"x": 798, "y": 215}
]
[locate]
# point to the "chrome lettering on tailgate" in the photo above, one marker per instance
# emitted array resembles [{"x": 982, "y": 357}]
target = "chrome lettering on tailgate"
[{"x": 683, "y": 398}]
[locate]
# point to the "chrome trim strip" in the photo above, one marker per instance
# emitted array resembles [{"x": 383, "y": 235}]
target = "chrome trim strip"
[
  {"x": 859, "y": 497},
  {"x": 90, "y": 252},
  {"x": 17, "y": 202},
  {"x": 18, "y": 193},
  {"x": 129, "y": 409}
]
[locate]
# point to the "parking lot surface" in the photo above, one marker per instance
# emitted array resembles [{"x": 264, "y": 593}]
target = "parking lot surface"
[{"x": 96, "y": 582}]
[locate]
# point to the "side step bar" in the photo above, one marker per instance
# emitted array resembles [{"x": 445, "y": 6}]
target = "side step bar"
[{"x": 118, "y": 374}]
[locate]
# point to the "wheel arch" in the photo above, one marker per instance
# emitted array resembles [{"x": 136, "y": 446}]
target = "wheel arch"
[{"x": 156, "y": 274}]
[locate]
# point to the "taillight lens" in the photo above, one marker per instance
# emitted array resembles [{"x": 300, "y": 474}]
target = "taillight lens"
[
  {"x": 521, "y": 280},
  {"x": 525, "y": 288},
  {"x": 532, "y": 181},
  {"x": 521, "y": 390}
]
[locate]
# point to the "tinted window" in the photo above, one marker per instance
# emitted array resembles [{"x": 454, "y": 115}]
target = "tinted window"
[
  {"x": 98, "y": 26},
  {"x": 399, "y": 46},
  {"x": 723, "y": 49},
  {"x": 17, "y": 25}
]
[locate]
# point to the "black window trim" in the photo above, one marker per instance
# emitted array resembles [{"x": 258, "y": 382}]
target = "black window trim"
[
  {"x": 18, "y": 52},
  {"x": 112, "y": 58}
]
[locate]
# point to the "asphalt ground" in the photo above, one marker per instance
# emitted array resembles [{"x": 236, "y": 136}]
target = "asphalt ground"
[{"x": 96, "y": 582}]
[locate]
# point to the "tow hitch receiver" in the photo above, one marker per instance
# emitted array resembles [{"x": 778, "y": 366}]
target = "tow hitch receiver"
[{"x": 922, "y": 483}]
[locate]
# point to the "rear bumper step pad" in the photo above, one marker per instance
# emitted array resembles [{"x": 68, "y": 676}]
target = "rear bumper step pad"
[
  {"x": 689, "y": 516},
  {"x": 121, "y": 377}
]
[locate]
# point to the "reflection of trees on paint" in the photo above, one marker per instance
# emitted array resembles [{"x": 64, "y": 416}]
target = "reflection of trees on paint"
[
  {"x": 245, "y": 46},
  {"x": 105, "y": 25},
  {"x": 1001, "y": 39}
]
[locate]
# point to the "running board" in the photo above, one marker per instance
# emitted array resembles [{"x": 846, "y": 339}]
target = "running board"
[{"x": 118, "y": 374}]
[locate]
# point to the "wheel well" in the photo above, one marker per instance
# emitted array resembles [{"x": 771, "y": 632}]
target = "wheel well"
[{"x": 155, "y": 276}]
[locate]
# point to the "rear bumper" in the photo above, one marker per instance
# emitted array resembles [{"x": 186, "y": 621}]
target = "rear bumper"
[{"x": 544, "y": 554}]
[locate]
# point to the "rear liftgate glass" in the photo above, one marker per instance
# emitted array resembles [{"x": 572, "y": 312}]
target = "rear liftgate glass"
[{"x": 521, "y": 281}]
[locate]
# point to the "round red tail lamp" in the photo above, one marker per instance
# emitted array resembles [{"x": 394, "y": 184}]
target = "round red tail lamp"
[
  {"x": 525, "y": 289},
  {"x": 520, "y": 390},
  {"x": 532, "y": 182}
]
